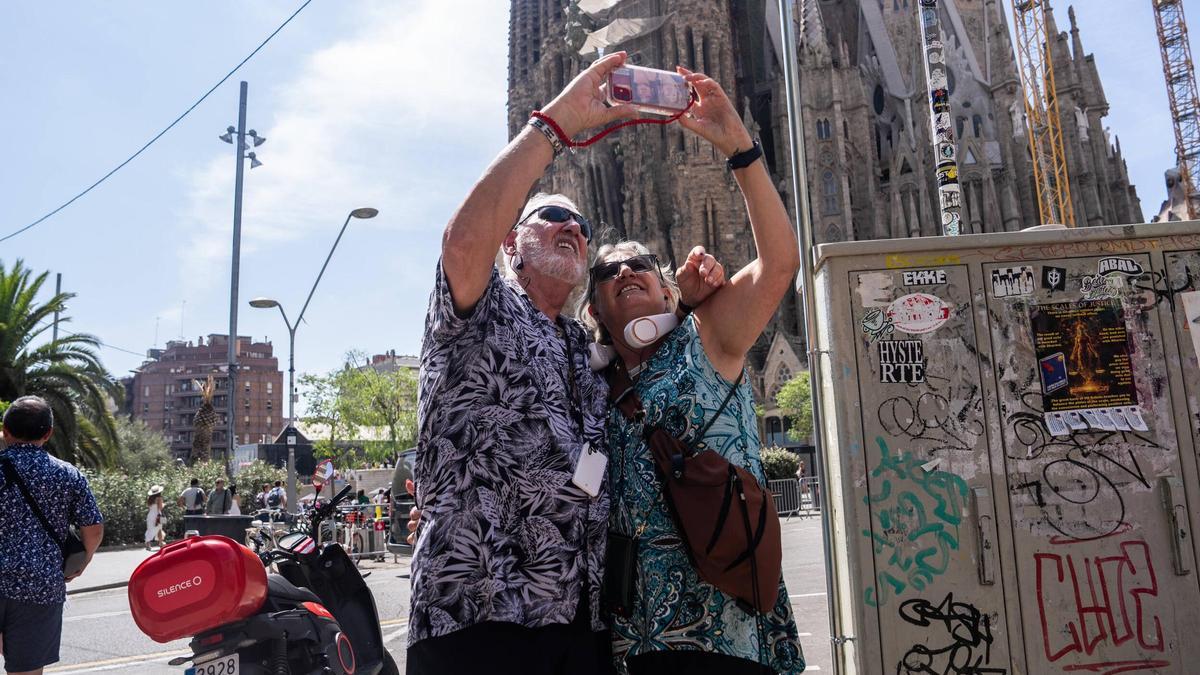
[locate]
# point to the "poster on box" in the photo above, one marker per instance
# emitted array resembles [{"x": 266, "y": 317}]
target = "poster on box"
[{"x": 1083, "y": 356}]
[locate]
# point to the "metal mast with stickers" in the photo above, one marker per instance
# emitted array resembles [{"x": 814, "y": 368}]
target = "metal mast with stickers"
[{"x": 1010, "y": 442}]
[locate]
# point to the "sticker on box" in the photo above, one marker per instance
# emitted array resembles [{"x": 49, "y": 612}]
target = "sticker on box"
[
  {"x": 918, "y": 313},
  {"x": 1008, "y": 282},
  {"x": 901, "y": 361}
]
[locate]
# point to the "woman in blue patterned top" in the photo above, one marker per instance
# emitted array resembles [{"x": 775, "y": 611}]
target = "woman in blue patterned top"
[{"x": 679, "y": 622}]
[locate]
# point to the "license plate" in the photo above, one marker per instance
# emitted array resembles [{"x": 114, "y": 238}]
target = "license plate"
[{"x": 226, "y": 665}]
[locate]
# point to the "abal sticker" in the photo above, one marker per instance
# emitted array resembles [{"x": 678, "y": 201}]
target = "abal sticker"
[
  {"x": 1008, "y": 282},
  {"x": 901, "y": 361},
  {"x": 1126, "y": 266},
  {"x": 918, "y": 313},
  {"x": 924, "y": 277},
  {"x": 1054, "y": 278}
]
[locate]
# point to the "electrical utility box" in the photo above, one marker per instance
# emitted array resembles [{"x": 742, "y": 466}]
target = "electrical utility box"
[{"x": 1011, "y": 427}]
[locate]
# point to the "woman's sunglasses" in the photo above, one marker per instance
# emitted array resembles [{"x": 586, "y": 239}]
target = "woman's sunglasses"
[
  {"x": 606, "y": 271},
  {"x": 558, "y": 214}
]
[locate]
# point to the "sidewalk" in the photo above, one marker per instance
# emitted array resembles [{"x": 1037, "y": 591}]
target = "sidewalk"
[{"x": 108, "y": 569}]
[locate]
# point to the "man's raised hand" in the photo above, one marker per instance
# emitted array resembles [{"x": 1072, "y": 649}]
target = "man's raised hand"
[{"x": 581, "y": 105}]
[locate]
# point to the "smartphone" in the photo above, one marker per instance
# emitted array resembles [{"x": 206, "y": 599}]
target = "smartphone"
[{"x": 649, "y": 90}]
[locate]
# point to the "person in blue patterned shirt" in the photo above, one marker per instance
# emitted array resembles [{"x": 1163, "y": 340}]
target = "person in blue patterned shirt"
[{"x": 32, "y": 587}]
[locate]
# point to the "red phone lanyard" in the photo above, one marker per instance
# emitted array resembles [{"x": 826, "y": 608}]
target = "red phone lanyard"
[{"x": 568, "y": 142}]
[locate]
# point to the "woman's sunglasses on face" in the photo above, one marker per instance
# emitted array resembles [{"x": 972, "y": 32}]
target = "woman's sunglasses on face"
[
  {"x": 558, "y": 214},
  {"x": 606, "y": 271}
]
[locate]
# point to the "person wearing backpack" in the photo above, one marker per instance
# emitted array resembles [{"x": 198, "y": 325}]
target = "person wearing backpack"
[
  {"x": 277, "y": 498},
  {"x": 192, "y": 499},
  {"x": 40, "y": 498}
]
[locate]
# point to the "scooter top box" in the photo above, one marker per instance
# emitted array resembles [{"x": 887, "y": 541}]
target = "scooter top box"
[{"x": 196, "y": 584}]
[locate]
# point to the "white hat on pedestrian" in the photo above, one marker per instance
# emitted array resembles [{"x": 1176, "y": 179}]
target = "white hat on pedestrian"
[{"x": 155, "y": 490}]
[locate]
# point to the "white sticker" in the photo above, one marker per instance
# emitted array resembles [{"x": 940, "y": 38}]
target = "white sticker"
[
  {"x": 1191, "y": 310},
  {"x": 918, "y": 313},
  {"x": 901, "y": 361},
  {"x": 589, "y": 471},
  {"x": 1127, "y": 266},
  {"x": 1090, "y": 416},
  {"x": 924, "y": 277}
]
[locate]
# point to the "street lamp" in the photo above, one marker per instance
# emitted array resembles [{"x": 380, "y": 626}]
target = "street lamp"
[{"x": 267, "y": 303}]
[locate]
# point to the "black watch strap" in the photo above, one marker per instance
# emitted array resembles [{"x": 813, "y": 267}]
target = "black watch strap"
[{"x": 744, "y": 158}]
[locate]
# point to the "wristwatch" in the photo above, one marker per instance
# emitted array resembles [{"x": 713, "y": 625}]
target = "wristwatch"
[{"x": 744, "y": 158}]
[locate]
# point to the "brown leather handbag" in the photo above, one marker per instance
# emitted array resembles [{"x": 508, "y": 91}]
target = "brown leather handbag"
[{"x": 727, "y": 521}]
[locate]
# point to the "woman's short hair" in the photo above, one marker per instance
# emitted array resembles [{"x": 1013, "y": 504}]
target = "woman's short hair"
[{"x": 622, "y": 250}]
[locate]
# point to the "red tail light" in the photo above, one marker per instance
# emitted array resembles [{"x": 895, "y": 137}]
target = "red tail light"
[{"x": 319, "y": 610}]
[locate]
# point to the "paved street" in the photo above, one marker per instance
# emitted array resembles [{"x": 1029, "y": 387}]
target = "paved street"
[{"x": 99, "y": 634}]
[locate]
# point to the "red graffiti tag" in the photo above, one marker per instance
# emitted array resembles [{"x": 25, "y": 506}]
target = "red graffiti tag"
[{"x": 1109, "y": 592}]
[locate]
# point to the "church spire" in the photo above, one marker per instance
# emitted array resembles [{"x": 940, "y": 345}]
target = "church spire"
[
  {"x": 1076, "y": 41},
  {"x": 812, "y": 28}
]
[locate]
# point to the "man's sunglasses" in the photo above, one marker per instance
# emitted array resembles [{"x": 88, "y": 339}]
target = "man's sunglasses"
[
  {"x": 558, "y": 214},
  {"x": 605, "y": 271}
]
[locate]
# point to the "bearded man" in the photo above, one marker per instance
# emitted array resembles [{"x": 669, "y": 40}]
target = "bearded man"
[{"x": 507, "y": 567}]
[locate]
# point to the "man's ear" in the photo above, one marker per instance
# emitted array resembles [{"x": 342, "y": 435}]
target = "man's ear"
[{"x": 510, "y": 243}]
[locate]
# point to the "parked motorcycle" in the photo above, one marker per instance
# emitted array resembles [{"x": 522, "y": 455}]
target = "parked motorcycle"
[{"x": 316, "y": 616}]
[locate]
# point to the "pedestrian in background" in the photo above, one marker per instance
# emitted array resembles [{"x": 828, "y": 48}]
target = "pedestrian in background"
[
  {"x": 277, "y": 498},
  {"x": 235, "y": 502},
  {"x": 154, "y": 515},
  {"x": 191, "y": 500},
  {"x": 219, "y": 501},
  {"x": 260, "y": 500},
  {"x": 32, "y": 585}
]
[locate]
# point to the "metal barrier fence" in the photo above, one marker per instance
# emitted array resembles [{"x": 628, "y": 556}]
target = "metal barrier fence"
[{"x": 794, "y": 496}]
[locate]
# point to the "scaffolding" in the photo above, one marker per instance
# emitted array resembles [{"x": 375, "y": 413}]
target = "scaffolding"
[
  {"x": 1180, "y": 75},
  {"x": 1041, "y": 109}
]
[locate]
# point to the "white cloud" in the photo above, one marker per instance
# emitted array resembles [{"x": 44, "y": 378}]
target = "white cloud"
[{"x": 364, "y": 121}]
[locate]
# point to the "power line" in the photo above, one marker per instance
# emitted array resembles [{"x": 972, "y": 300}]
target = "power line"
[{"x": 164, "y": 131}]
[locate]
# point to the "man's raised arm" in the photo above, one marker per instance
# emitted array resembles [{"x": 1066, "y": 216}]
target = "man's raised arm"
[{"x": 486, "y": 216}]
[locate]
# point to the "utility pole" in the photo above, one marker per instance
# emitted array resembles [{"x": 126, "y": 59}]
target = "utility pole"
[
  {"x": 231, "y": 394},
  {"x": 940, "y": 118}
]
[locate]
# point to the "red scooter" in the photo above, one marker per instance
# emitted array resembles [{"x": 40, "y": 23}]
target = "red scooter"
[{"x": 315, "y": 617}]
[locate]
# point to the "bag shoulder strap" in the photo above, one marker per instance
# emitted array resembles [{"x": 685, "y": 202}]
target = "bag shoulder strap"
[
  {"x": 623, "y": 395},
  {"x": 11, "y": 473}
]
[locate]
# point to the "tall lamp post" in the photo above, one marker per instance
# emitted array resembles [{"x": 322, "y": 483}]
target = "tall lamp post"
[{"x": 267, "y": 303}]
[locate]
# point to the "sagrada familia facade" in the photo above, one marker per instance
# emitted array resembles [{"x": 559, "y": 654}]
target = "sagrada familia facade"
[{"x": 866, "y": 123}]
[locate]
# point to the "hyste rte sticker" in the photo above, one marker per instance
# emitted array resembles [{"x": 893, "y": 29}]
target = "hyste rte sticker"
[{"x": 918, "y": 313}]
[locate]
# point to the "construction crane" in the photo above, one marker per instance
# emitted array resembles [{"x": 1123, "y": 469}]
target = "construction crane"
[
  {"x": 1181, "y": 89},
  {"x": 1041, "y": 108}
]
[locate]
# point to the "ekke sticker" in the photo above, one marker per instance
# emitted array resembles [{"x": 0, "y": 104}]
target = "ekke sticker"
[
  {"x": 924, "y": 277},
  {"x": 901, "y": 361},
  {"x": 918, "y": 313},
  {"x": 1012, "y": 281}
]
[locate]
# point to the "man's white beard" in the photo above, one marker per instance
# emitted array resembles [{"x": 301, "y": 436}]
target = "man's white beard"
[{"x": 551, "y": 261}]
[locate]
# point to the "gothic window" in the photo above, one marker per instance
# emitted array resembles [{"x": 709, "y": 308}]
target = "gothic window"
[
  {"x": 959, "y": 123},
  {"x": 977, "y": 125},
  {"x": 878, "y": 100},
  {"x": 950, "y": 81},
  {"x": 833, "y": 233},
  {"x": 829, "y": 194},
  {"x": 823, "y": 130}
]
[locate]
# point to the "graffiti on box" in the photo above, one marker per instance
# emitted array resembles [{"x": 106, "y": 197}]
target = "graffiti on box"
[
  {"x": 915, "y": 518},
  {"x": 938, "y": 416},
  {"x": 959, "y": 642},
  {"x": 1087, "y": 603}
]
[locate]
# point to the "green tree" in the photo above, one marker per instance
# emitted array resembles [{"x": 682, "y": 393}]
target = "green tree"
[
  {"x": 795, "y": 401},
  {"x": 140, "y": 449},
  {"x": 779, "y": 463},
  {"x": 66, "y": 372}
]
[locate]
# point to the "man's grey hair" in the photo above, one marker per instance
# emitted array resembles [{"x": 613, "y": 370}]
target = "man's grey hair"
[
  {"x": 620, "y": 251},
  {"x": 535, "y": 202}
]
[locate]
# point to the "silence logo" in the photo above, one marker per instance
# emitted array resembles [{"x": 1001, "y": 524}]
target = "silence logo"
[{"x": 182, "y": 585}]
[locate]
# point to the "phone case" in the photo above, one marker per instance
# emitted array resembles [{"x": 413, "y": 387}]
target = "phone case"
[{"x": 648, "y": 89}]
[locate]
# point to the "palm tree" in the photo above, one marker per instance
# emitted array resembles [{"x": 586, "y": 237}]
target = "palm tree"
[{"x": 66, "y": 372}]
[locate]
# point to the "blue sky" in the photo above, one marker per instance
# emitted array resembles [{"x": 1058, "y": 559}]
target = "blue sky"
[{"x": 397, "y": 105}]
